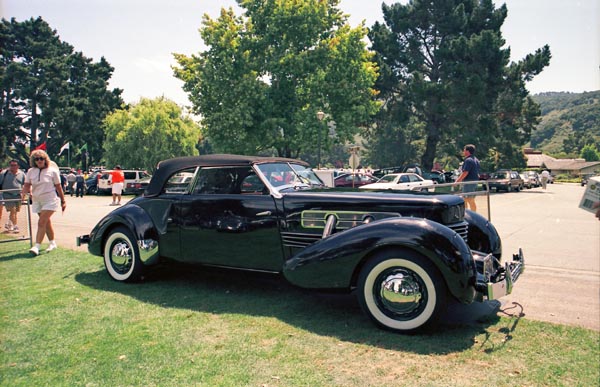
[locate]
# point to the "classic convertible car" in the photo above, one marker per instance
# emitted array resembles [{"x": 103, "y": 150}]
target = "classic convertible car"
[{"x": 404, "y": 254}]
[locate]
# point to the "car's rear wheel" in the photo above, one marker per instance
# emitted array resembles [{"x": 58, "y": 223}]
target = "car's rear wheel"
[
  {"x": 122, "y": 257},
  {"x": 401, "y": 291}
]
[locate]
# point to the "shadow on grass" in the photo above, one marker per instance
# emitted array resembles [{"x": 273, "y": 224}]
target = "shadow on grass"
[
  {"x": 15, "y": 251},
  {"x": 224, "y": 291}
]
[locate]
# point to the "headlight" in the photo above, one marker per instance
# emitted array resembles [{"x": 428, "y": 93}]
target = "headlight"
[{"x": 454, "y": 214}]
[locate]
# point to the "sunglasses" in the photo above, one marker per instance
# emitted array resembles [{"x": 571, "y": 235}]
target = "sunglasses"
[{"x": 39, "y": 158}]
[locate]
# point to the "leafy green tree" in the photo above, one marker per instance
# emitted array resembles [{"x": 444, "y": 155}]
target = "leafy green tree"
[
  {"x": 148, "y": 132},
  {"x": 444, "y": 62},
  {"x": 49, "y": 93},
  {"x": 267, "y": 73},
  {"x": 590, "y": 153}
]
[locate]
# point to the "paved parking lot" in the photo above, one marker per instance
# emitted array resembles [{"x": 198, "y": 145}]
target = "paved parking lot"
[{"x": 561, "y": 244}]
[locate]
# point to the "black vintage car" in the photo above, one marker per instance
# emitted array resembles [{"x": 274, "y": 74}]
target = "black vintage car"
[{"x": 404, "y": 254}]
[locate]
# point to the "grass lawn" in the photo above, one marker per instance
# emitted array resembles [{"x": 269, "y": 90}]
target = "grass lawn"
[{"x": 64, "y": 322}]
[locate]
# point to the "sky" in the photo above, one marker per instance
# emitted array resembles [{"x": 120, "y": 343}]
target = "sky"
[{"x": 138, "y": 37}]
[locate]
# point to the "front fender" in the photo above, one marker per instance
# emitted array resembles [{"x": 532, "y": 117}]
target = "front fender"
[
  {"x": 483, "y": 235},
  {"x": 334, "y": 262},
  {"x": 137, "y": 221}
]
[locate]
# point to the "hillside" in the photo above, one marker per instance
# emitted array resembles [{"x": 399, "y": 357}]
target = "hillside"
[{"x": 574, "y": 117}]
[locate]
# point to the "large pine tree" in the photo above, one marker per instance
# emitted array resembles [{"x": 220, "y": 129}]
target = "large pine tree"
[{"x": 445, "y": 65}]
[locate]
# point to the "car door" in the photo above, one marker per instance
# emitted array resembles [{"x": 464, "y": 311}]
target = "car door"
[
  {"x": 403, "y": 182},
  {"x": 230, "y": 220}
]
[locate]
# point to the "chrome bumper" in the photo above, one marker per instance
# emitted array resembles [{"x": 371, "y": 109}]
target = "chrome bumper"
[{"x": 495, "y": 280}]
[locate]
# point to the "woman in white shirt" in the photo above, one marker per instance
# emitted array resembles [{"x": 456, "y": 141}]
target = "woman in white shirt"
[{"x": 43, "y": 183}]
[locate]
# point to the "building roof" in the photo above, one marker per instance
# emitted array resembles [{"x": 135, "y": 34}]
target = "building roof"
[{"x": 544, "y": 161}]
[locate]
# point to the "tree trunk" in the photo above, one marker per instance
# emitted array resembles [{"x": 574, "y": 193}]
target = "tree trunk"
[
  {"x": 433, "y": 138},
  {"x": 34, "y": 125}
]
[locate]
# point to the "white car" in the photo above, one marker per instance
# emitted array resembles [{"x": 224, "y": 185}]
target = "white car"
[{"x": 401, "y": 181}]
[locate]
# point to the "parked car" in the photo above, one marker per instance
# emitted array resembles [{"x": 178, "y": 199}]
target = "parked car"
[
  {"x": 527, "y": 182},
  {"x": 505, "y": 180},
  {"x": 353, "y": 180},
  {"x": 436, "y": 176},
  {"x": 404, "y": 254},
  {"x": 585, "y": 178},
  {"x": 379, "y": 173},
  {"x": 400, "y": 181},
  {"x": 135, "y": 182},
  {"x": 534, "y": 178}
]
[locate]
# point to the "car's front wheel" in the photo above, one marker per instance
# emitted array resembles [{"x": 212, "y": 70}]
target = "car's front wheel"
[
  {"x": 121, "y": 256},
  {"x": 401, "y": 291}
]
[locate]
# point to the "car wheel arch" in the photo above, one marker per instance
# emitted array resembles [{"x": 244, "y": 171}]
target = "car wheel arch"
[{"x": 391, "y": 249}]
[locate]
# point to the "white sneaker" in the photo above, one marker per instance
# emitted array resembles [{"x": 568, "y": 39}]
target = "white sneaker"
[
  {"x": 34, "y": 251},
  {"x": 51, "y": 247},
  {"x": 8, "y": 225},
  {"x": 15, "y": 229}
]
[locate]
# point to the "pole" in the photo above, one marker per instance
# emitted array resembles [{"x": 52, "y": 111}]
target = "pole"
[{"x": 320, "y": 116}]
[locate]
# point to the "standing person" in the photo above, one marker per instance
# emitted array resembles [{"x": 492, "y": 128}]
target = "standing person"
[
  {"x": 117, "y": 180},
  {"x": 79, "y": 184},
  {"x": 71, "y": 182},
  {"x": 12, "y": 185},
  {"x": 43, "y": 183},
  {"x": 545, "y": 176},
  {"x": 470, "y": 172}
]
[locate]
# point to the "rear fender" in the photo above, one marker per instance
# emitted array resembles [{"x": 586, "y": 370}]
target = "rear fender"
[
  {"x": 138, "y": 222},
  {"x": 334, "y": 262}
]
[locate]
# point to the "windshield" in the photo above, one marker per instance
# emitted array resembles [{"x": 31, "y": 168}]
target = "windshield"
[{"x": 282, "y": 176}]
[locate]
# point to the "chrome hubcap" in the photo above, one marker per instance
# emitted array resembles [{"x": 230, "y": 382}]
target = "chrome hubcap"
[
  {"x": 400, "y": 292},
  {"x": 121, "y": 256}
]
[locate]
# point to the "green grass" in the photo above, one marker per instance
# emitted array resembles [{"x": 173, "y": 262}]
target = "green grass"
[{"x": 65, "y": 323}]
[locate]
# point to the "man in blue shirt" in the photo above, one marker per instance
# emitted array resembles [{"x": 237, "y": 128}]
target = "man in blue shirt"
[{"x": 470, "y": 172}]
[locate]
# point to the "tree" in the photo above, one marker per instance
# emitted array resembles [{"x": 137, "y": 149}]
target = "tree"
[
  {"x": 148, "y": 132},
  {"x": 48, "y": 92},
  {"x": 443, "y": 61},
  {"x": 590, "y": 153},
  {"x": 267, "y": 73}
]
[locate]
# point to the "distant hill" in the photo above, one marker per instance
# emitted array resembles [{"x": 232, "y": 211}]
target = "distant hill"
[{"x": 571, "y": 116}]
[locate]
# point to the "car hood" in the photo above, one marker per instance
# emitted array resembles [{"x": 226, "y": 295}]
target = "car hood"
[{"x": 418, "y": 205}]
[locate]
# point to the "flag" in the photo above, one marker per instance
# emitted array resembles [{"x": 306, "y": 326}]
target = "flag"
[
  {"x": 66, "y": 146},
  {"x": 83, "y": 148},
  {"x": 42, "y": 146}
]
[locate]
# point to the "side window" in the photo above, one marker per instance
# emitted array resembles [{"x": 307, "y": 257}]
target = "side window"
[
  {"x": 129, "y": 175},
  {"x": 252, "y": 184},
  {"x": 227, "y": 180},
  {"x": 180, "y": 181},
  {"x": 404, "y": 179}
]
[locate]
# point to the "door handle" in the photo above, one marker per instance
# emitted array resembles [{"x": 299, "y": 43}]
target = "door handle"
[{"x": 264, "y": 213}]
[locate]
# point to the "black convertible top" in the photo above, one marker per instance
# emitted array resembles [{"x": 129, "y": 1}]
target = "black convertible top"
[{"x": 166, "y": 168}]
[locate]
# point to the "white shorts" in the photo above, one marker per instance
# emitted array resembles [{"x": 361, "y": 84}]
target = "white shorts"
[
  {"x": 117, "y": 188},
  {"x": 48, "y": 205}
]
